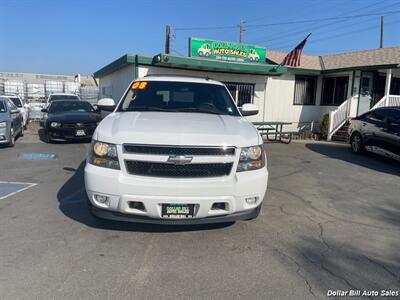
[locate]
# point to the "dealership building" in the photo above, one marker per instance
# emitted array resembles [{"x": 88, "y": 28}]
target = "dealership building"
[{"x": 344, "y": 85}]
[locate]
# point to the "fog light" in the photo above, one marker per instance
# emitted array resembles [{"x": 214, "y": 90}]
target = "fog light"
[
  {"x": 251, "y": 200},
  {"x": 101, "y": 199}
]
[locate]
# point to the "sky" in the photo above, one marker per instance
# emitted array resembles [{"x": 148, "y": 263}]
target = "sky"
[{"x": 82, "y": 36}]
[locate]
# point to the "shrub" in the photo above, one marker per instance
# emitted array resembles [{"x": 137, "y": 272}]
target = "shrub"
[{"x": 324, "y": 126}]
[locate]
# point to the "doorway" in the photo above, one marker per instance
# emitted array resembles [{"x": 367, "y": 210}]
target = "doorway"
[{"x": 365, "y": 94}]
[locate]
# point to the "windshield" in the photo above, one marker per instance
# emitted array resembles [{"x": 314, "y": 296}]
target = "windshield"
[
  {"x": 70, "y": 106},
  {"x": 179, "y": 97},
  {"x": 16, "y": 101},
  {"x": 2, "y": 107},
  {"x": 63, "y": 97}
]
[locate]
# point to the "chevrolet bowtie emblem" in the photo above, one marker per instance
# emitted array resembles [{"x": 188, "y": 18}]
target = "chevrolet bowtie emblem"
[{"x": 180, "y": 159}]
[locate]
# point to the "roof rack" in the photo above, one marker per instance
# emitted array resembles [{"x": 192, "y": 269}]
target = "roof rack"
[{"x": 170, "y": 75}]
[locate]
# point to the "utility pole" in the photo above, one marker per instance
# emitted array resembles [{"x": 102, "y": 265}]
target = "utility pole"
[
  {"x": 241, "y": 31},
  {"x": 381, "y": 41},
  {"x": 167, "y": 39}
]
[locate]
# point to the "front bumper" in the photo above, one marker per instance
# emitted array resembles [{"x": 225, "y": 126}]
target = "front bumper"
[
  {"x": 122, "y": 189},
  {"x": 117, "y": 216},
  {"x": 69, "y": 134}
]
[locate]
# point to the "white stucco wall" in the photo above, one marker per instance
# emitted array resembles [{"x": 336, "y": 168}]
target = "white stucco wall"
[{"x": 115, "y": 84}]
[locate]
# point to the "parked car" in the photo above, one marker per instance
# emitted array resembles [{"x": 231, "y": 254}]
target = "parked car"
[
  {"x": 379, "y": 128},
  {"x": 11, "y": 122},
  {"x": 176, "y": 150},
  {"x": 61, "y": 96},
  {"x": 69, "y": 120},
  {"x": 22, "y": 107}
]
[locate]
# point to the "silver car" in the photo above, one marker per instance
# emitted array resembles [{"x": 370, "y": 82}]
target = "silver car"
[{"x": 11, "y": 122}]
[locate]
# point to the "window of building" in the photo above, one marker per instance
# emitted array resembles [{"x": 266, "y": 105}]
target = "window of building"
[
  {"x": 334, "y": 90},
  {"x": 304, "y": 90},
  {"x": 241, "y": 92}
]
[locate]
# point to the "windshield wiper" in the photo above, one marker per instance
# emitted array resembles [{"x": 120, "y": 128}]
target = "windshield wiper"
[
  {"x": 148, "y": 108},
  {"x": 199, "y": 110}
]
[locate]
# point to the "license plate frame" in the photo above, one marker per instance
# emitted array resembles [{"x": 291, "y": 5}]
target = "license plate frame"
[
  {"x": 80, "y": 132},
  {"x": 177, "y": 211}
]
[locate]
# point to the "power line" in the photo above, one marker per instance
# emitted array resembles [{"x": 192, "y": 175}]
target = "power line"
[
  {"x": 326, "y": 19},
  {"x": 312, "y": 28}
]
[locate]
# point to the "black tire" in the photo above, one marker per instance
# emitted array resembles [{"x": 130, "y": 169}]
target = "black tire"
[
  {"x": 12, "y": 138},
  {"x": 356, "y": 143},
  {"x": 46, "y": 137}
]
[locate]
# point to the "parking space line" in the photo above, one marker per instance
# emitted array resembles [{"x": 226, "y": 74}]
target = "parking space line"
[{"x": 23, "y": 186}]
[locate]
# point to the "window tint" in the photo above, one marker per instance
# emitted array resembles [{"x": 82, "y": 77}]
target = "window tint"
[
  {"x": 304, "y": 90},
  {"x": 179, "y": 97},
  {"x": 70, "y": 106},
  {"x": 16, "y": 101},
  {"x": 11, "y": 105},
  {"x": 63, "y": 97},
  {"x": 375, "y": 115},
  {"x": 2, "y": 107}
]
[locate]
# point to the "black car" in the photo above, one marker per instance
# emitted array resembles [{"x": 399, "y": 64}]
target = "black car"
[
  {"x": 379, "y": 127},
  {"x": 69, "y": 120}
]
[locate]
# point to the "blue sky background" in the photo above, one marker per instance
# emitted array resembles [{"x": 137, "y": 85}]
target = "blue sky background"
[{"x": 69, "y": 37}]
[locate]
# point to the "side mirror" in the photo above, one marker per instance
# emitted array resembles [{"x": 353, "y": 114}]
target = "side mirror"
[
  {"x": 44, "y": 110},
  {"x": 106, "y": 104},
  {"x": 249, "y": 109}
]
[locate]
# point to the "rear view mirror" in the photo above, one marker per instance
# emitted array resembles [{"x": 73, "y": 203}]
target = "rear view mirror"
[
  {"x": 106, "y": 104},
  {"x": 248, "y": 109}
]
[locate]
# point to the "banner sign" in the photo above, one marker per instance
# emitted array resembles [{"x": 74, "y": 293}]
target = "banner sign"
[{"x": 226, "y": 51}]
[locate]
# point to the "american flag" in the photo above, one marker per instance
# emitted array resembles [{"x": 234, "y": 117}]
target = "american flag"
[{"x": 294, "y": 56}]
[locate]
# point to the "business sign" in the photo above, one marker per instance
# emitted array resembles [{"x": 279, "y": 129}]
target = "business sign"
[{"x": 226, "y": 51}]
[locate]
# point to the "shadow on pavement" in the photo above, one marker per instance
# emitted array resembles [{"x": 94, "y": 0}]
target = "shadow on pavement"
[
  {"x": 72, "y": 202},
  {"x": 368, "y": 160}
]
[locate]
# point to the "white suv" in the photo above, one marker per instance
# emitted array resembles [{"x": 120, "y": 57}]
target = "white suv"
[{"x": 176, "y": 150}]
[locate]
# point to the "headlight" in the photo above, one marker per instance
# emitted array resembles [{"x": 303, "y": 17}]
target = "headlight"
[
  {"x": 104, "y": 155},
  {"x": 55, "y": 124},
  {"x": 251, "y": 158},
  {"x": 3, "y": 124}
]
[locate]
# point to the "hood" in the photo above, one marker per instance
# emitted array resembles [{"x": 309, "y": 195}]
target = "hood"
[
  {"x": 165, "y": 128},
  {"x": 73, "y": 117}
]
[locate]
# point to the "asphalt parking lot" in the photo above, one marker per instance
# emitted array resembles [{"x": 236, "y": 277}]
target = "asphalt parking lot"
[{"x": 330, "y": 221}]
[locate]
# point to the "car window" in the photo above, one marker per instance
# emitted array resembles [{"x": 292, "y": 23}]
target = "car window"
[
  {"x": 63, "y": 97},
  {"x": 2, "y": 107},
  {"x": 16, "y": 101},
  {"x": 375, "y": 115},
  {"x": 11, "y": 105},
  {"x": 179, "y": 97},
  {"x": 70, "y": 106}
]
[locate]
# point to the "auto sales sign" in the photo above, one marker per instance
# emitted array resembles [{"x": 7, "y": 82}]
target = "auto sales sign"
[{"x": 226, "y": 51}]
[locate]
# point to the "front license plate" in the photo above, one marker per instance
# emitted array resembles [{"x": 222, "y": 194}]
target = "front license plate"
[
  {"x": 177, "y": 211},
  {"x": 80, "y": 132}
]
